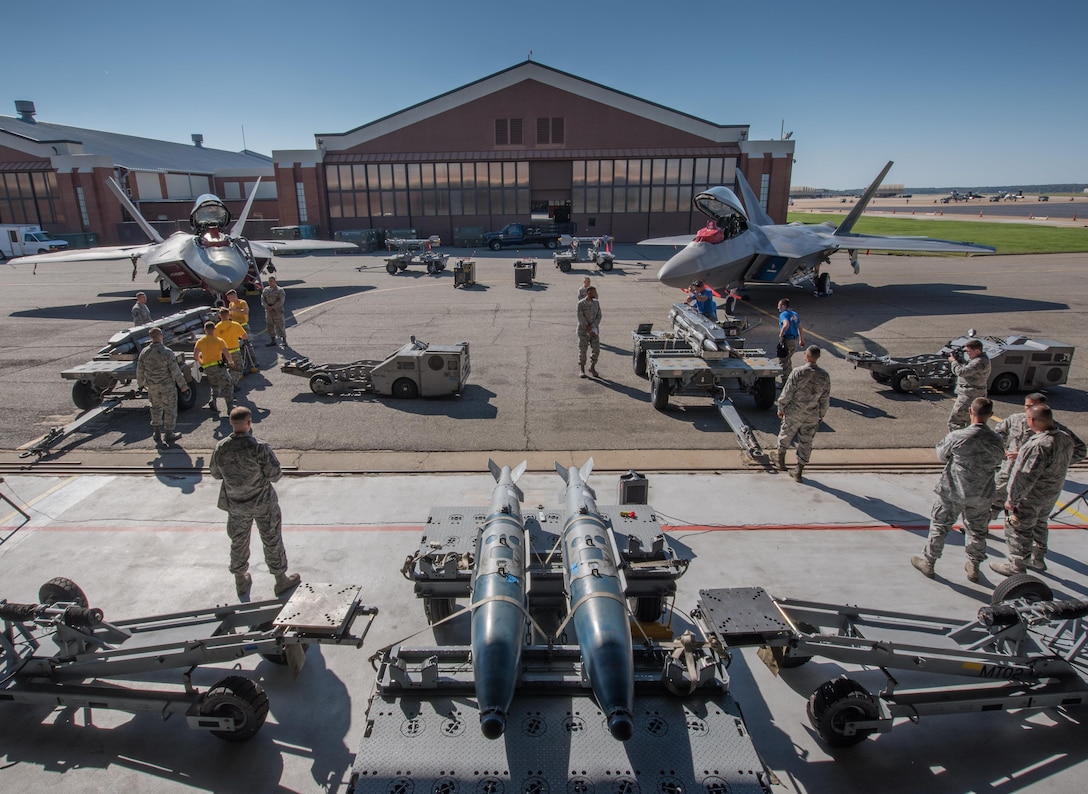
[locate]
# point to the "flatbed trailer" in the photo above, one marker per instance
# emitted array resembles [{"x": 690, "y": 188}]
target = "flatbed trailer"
[
  {"x": 703, "y": 357},
  {"x": 415, "y": 252},
  {"x": 1024, "y": 651},
  {"x": 120, "y": 665}
]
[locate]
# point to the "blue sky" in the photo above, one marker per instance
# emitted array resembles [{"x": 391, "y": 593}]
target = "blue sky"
[{"x": 958, "y": 92}]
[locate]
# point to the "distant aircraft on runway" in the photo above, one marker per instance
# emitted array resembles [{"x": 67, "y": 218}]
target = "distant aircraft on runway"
[
  {"x": 739, "y": 246},
  {"x": 207, "y": 258}
]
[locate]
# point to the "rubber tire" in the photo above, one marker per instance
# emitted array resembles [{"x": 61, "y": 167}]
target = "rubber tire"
[
  {"x": 495, "y": 245},
  {"x": 85, "y": 396},
  {"x": 550, "y": 245},
  {"x": 659, "y": 393},
  {"x": 730, "y": 304},
  {"x": 391, "y": 268},
  {"x": 318, "y": 381},
  {"x": 604, "y": 264},
  {"x": 61, "y": 589},
  {"x": 405, "y": 389},
  {"x": 790, "y": 658},
  {"x": 436, "y": 609},
  {"x": 638, "y": 362},
  {"x": 880, "y": 377},
  {"x": 1022, "y": 585},
  {"x": 765, "y": 393},
  {"x": 1005, "y": 383},
  {"x": 564, "y": 266},
  {"x": 647, "y": 609},
  {"x": 430, "y": 269},
  {"x": 187, "y": 399},
  {"x": 836, "y": 701},
  {"x": 238, "y": 697},
  {"x": 823, "y": 283},
  {"x": 901, "y": 379}
]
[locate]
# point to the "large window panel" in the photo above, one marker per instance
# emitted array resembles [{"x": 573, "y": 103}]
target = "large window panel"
[
  {"x": 593, "y": 174},
  {"x": 414, "y": 182},
  {"x": 523, "y": 174},
  {"x": 686, "y": 166},
  {"x": 482, "y": 178},
  {"x": 606, "y": 200}
]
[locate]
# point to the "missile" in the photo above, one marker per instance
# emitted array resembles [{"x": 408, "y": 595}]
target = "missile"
[
  {"x": 596, "y": 602},
  {"x": 498, "y": 586}
]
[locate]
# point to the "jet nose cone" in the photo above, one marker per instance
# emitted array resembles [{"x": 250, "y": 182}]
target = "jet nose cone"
[{"x": 682, "y": 269}]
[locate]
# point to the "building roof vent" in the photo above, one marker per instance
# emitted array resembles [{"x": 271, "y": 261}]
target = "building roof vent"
[
  {"x": 198, "y": 140},
  {"x": 25, "y": 109}
]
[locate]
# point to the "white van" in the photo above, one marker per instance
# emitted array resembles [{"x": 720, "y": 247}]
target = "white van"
[{"x": 16, "y": 240}]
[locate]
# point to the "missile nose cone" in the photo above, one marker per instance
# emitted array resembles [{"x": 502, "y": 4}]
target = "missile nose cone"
[
  {"x": 492, "y": 723},
  {"x": 620, "y": 725}
]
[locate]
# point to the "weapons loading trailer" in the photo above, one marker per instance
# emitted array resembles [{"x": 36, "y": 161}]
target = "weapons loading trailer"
[
  {"x": 415, "y": 252},
  {"x": 423, "y": 720},
  {"x": 704, "y": 357},
  {"x": 1025, "y": 651},
  {"x": 585, "y": 250},
  {"x": 1017, "y": 363},
  {"x": 415, "y": 370},
  {"x": 90, "y": 650}
]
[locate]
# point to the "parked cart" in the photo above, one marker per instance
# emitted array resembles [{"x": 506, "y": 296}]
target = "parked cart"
[
  {"x": 416, "y": 370},
  {"x": 464, "y": 273},
  {"x": 591, "y": 250},
  {"x": 415, "y": 252}
]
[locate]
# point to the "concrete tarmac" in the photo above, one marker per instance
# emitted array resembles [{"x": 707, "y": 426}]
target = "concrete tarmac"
[{"x": 143, "y": 545}]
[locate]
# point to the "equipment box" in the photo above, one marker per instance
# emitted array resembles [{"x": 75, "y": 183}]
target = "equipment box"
[{"x": 524, "y": 272}]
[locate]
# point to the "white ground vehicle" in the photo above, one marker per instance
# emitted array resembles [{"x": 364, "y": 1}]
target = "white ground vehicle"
[{"x": 23, "y": 240}]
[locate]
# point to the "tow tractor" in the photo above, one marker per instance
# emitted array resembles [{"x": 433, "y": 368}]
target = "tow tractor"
[
  {"x": 415, "y": 252},
  {"x": 423, "y": 727},
  {"x": 596, "y": 250},
  {"x": 700, "y": 356},
  {"x": 1017, "y": 363},
  {"x": 1024, "y": 651},
  {"x": 108, "y": 380},
  {"x": 415, "y": 370},
  {"x": 102, "y": 664}
]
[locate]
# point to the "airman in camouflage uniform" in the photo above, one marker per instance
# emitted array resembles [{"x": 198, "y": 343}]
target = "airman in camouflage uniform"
[
  {"x": 248, "y": 467},
  {"x": 801, "y": 407},
  {"x": 589, "y": 331},
  {"x": 966, "y": 488},
  {"x": 972, "y": 380},
  {"x": 1035, "y": 483},
  {"x": 273, "y": 298},
  {"x": 157, "y": 371},
  {"x": 1015, "y": 432}
]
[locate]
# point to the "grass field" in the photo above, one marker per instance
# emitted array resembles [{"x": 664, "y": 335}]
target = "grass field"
[{"x": 1007, "y": 238}]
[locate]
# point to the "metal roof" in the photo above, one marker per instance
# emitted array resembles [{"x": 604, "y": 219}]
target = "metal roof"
[
  {"x": 129, "y": 151},
  {"x": 723, "y": 150}
]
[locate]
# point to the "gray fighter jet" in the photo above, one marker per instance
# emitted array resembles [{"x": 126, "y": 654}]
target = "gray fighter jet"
[
  {"x": 741, "y": 244},
  {"x": 209, "y": 257}
]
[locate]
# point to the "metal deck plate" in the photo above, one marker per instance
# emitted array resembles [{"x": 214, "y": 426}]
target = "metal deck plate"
[
  {"x": 319, "y": 607},
  {"x": 108, "y": 366},
  {"x": 557, "y": 744},
  {"x": 742, "y": 615}
]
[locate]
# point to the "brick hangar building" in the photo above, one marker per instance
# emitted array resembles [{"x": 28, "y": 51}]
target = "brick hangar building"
[{"x": 526, "y": 142}]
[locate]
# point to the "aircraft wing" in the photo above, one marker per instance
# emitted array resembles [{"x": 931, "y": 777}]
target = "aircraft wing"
[
  {"x": 677, "y": 240},
  {"x": 298, "y": 246},
  {"x": 120, "y": 253},
  {"x": 930, "y": 244}
]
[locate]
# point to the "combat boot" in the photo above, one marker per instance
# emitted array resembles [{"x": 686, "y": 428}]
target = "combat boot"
[
  {"x": 211, "y": 406},
  {"x": 271, "y": 342},
  {"x": 800, "y": 470},
  {"x": 242, "y": 582},
  {"x": 780, "y": 464},
  {"x": 158, "y": 438},
  {"x": 593, "y": 370},
  {"x": 1035, "y": 561},
  {"x": 1009, "y": 567},
  {"x": 171, "y": 437},
  {"x": 582, "y": 369},
  {"x": 972, "y": 570},
  {"x": 285, "y": 581},
  {"x": 923, "y": 566}
]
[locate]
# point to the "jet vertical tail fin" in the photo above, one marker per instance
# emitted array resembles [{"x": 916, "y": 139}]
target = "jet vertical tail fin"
[
  {"x": 859, "y": 208},
  {"x": 236, "y": 230},
  {"x": 149, "y": 230},
  {"x": 756, "y": 213}
]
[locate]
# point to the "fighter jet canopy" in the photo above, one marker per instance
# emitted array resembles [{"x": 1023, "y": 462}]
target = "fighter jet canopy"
[
  {"x": 209, "y": 211},
  {"x": 720, "y": 203}
]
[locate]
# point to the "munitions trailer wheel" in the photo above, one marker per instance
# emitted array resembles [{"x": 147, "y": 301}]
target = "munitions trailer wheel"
[
  {"x": 402, "y": 265},
  {"x": 495, "y": 245},
  {"x": 1021, "y": 585},
  {"x": 790, "y": 657},
  {"x": 659, "y": 393},
  {"x": 638, "y": 361},
  {"x": 550, "y": 245},
  {"x": 604, "y": 263},
  {"x": 436, "y": 609},
  {"x": 837, "y": 702},
  {"x": 391, "y": 268},
  {"x": 238, "y": 697},
  {"x": 1005, "y": 383},
  {"x": 321, "y": 383},
  {"x": 880, "y": 377},
  {"x": 765, "y": 393},
  {"x": 187, "y": 399},
  {"x": 63, "y": 590},
  {"x": 564, "y": 266},
  {"x": 647, "y": 609},
  {"x": 430, "y": 268},
  {"x": 405, "y": 389},
  {"x": 904, "y": 381},
  {"x": 85, "y": 395}
]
